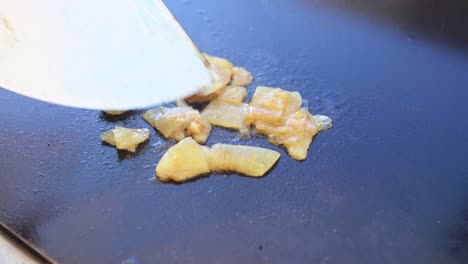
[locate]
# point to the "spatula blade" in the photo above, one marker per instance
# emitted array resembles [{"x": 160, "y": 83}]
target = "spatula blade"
[{"x": 106, "y": 54}]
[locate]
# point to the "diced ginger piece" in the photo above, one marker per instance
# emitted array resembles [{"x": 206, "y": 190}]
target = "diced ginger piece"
[
  {"x": 126, "y": 138},
  {"x": 296, "y": 134},
  {"x": 110, "y": 112},
  {"x": 222, "y": 72},
  {"x": 250, "y": 161},
  {"x": 221, "y": 114},
  {"x": 179, "y": 122},
  {"x": 272, "y": 105},
  {"x": 184, "y": 161},
  {"x": 241, "y": 77}
]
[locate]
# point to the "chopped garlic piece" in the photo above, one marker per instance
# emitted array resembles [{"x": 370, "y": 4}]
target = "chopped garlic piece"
[
  {"x": 241, "y": 77},
  {"x": 272, "y": 105},
  {"x": 250, "y": 161},
  {"x": 184, "y": 161},
  {"x": 232, "y": 95},
  {"x": 227, "y": 110},
  {"x": 295, "y": 134},
  {"x": 276, "y": 113},
  {"x": 179, "y": 122},
  {"x": 225, "y": 115},
  {"x": 187, "y": 160},
  {"x": 125, "y": 138}
]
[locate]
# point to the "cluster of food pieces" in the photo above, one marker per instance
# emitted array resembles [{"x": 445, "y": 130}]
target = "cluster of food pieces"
[{"x": 273, "y": 112}]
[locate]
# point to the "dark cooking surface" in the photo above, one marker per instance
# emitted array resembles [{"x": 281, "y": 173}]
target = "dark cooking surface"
[{"x": 388, "y": 184}]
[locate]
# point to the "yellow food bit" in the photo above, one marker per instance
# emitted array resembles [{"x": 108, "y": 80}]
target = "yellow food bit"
[
  {"x": 184, "y": 161},
  {"x": 277, "y": 114},
  {"x": 273, "y": 112},
  {"x": 295, "y": 134},
  {"x": 108, "y": 137},
  {"x": 232, "y": 95},
  {"x": 109, "y": 112},
  {"x": 179, "y": 122},
  {"x": 241, "y": 77},
  {"x": 250, "y": 161},
  {"x": 225, "y": 115},
  {"x": 187, "y": 159},
  {"x": 227, "y": 110},
  {"x": 125, "y": 138},
  {"x": 272, "y": 105},
  {"x": 222, "y": 72}
]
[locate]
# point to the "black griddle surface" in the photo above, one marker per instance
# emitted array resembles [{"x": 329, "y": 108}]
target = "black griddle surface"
[{"x": 388, "y": 184}]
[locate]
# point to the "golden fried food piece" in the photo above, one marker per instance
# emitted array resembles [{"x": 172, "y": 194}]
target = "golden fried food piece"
[
  {"x": 225, "y": 115},
  {"x": 184, "y": 161},
  {"x": 272, "y": 105},
  {"x": 108, "y": 137},
  {"x": 232, "y": 95},
  {"x": 125, "y": 138},
  {"x": 109, "y": 112},
  {"x": 222, "y": 71},
  {"x": 179, "y": 122},
  {"x": 250, "y": 161},
  {"x": 277, "y": 114},
  {"x": 227, "y": 110},
  {"x": 187, "y": 160},
  {"x": 295, "y": 134},
  {"x": 241, "y": 77}
]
